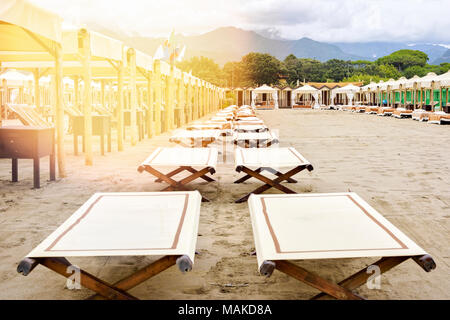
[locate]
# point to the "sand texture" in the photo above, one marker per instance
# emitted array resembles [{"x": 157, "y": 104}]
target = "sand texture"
[{"x": 400, "y": 167}]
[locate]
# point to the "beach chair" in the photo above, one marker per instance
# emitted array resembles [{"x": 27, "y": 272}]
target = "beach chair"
[
  {"x": 250, "y": 128},
  {"x": 255, "y": 139},
  {"x": 385, "y": 111},
  {"x": 195, "y": 138},
  {"x": 270, "y": 160},
  {"x": 327, "y": 226},
  {"x": 402, "y": 113},
  {"x": 197, "y": 161},
  {"x": 420, "y": 115},
  {"x": 122, "y": 224},
  {"x": 439, "y": 117},
  {"x": 371, "y": 110}
]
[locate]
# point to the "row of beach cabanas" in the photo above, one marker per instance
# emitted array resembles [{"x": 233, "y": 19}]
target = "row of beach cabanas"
[
  {"x": 46, "y": 68},
  {"x": 429, "y": 92}
]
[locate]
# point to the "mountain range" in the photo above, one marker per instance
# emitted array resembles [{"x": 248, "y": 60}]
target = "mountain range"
[{"x": 230, "y": 44}]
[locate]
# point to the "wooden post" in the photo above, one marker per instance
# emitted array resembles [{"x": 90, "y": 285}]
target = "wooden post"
[
  {"x": 120, "y": 98},
  {"x": 37, "y": 93},
  {"x": 87, "y": 99},
  {"x": 133, "y": 95},
  {"x": 102, "y": 92},
  {"x": 170, "y": 101},
  {"x": 196, "y": 100},
  {"x": 157, "y": 95},
  {"x": 59, "y": 112},
  {"x": 149, "y": 118},
  {"x": 189, "y": 104},
  {"x": 181, "y": 100},
  {"x": 76, "y": 91}
]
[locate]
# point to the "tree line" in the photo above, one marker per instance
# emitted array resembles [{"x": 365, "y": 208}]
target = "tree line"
[{"x": 256, "y": 69}]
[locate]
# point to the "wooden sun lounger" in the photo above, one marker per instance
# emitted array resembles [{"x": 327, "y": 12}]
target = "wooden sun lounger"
[
  {"x": 247, "y": 119},
  {"x": 270, "y": 160},
  {"x": 327, "y": 226},
  {"x": 123, "y": 224},
  {"x": 402, "y": 113},
  {"x": 371, "y": 110},
  {"x": 250, "y": 128},
  {"x": 195, "y": 138},
  {"x": 359, "y": 109},
  {"x": 255, "y": 139},
  {"x": 439, "y": 117},
  {"x": 250, "y": 122},
  {"x": 420, "y": 115},
  {"x": 182, "y": 159},
  {"x": 385, "y": 111}
]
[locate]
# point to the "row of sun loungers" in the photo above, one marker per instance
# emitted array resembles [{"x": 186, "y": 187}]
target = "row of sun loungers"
[
  {"x": 286, "y": 227},
  {"x": 437, "y": 117}
]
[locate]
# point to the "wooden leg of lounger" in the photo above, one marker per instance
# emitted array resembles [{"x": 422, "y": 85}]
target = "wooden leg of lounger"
[
  {"x": 269, "y": 183},
  {"x": 356, "y": 280},
  {"x": 172, "y": 173},
  {"x": 159, "y": 175},
  {"x": 315, "y": 281},
  {"x": 247, "y": 176},
  {"x": 204, "y": 177},
  {"x": 278, "y": 173},
  {"x": 142, "y": 275},
  {"x": 60, "y": 265}
]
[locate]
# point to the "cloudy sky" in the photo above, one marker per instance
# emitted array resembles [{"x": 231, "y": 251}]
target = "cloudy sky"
[{"x": 322, "y": 20}]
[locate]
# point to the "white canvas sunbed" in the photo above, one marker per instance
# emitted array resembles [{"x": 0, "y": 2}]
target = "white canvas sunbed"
[
  {"x": 197, "y": 161},
  {"x": 195, "y": 138},
  {"x": 255, "y": 139},
  {"x": 253, "y": 161},
  {"x": 123, "y": 224},
  {"x": 402, "y": 113},
  {"x": 250, "y": 128},
  {"x": 327, "y": 226}
]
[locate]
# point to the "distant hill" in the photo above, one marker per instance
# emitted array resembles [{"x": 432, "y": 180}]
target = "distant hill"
[
  {"x": 444, "y": 58},
  {"x": 230, "y": 44}
]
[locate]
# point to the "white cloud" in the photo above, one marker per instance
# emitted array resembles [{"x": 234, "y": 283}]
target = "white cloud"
[{"x": 322, "y": 20}]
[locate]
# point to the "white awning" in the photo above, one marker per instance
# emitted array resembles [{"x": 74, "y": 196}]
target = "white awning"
[{"x": 26, "y": 15}]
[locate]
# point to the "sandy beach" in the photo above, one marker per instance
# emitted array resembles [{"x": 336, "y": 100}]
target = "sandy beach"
[{"x": 400, "y": 167}]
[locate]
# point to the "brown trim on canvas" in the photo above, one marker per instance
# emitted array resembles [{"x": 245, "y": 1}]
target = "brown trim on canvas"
[
  {"x": 277, "y": 244},
  {"x": 174, "y": 244}
]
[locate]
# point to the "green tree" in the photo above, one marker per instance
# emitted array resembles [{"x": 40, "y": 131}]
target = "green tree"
[
  {"x": 403, "y": 59},
  {"x": 336, "y": 70},
  {"x": 262, "y": 68}
]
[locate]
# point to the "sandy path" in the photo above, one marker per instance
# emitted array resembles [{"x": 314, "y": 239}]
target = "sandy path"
[{"x": 401, "y": 167}]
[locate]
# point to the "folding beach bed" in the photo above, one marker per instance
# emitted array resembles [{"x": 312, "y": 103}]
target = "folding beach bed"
[
  {"x": 253, "y": 161},
  {"x": 371, "y": 109},
  {"x": 123, "y": 224},
  {"x": 385, "y": 111},
  {"x": 420, "y": 115},
  {"x": 327, "y": 226},
  {"x": 195, "y": 138},
  {"x": 439, "y": 117},
  {"x": 197, "y": 161},
  {"x": 250, "y": 128},
  {"x": 402, "y": 113},
  {"x": 255, "y": 139}
]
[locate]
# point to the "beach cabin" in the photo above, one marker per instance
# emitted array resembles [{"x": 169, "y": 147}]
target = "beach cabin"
[
  {"x": 305, "y": 97},
  {"x": 265, "y": 97}
]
